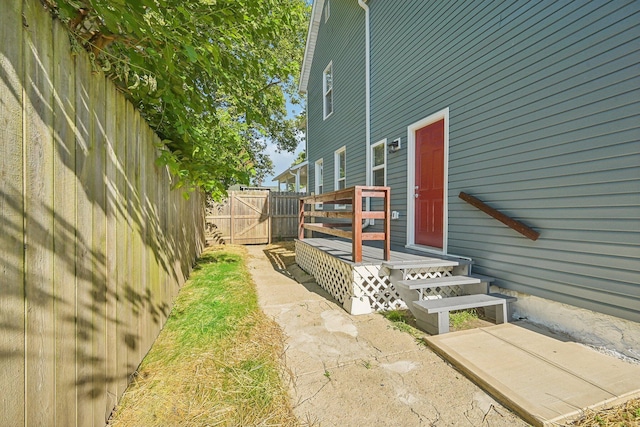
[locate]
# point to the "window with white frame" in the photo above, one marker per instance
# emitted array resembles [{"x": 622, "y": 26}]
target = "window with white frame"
[
  {"x": 319, "y": 180},
  {"x": 327, "y": 90},
  {"x": 379, "y": 163},
  {"x": 340, "y": 171},
  {"x": 327, "y": 10}
]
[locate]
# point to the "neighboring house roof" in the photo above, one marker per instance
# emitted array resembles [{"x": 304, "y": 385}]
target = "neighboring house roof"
[
  {"x": 312, "y": 36},
  {"x": 287, "y": 173}
]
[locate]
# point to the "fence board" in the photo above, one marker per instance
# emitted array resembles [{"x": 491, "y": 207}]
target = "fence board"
[
  {"x": 12, "y": 329},
  {"x": 64, "y": 263},
  {"x": 122, "y": 318},
  {"x": 99, "y": 273},
  {"x": 111, "y": 343},
  {"x": 38, "y": 160},
  {"x": 84, "y": 236}
]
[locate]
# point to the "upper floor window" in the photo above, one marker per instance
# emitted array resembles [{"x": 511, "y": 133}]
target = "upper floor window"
[
  {"x": 379, "y": 163},
  {"x": 327, "y": 90},
  {"x": 327, "y": 10}
]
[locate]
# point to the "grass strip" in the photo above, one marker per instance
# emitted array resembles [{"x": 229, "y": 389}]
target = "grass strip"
[{"x": 216, "y": 361}]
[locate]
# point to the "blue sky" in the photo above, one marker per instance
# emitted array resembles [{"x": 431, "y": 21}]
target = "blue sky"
[{"x": 283, "y": 160}]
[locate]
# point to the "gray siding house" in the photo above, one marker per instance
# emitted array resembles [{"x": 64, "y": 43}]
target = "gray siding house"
[{"x": 532, "y": 107}]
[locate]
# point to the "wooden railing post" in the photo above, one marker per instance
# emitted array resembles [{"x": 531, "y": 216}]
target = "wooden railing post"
[
  {"x": 387, "y": 225},
  {"x": 356, "y": 225},
  {"x": 301, "y": 220}
]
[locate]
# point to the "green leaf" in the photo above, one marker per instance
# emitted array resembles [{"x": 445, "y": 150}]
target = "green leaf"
[{"x": 191, "y": 53}]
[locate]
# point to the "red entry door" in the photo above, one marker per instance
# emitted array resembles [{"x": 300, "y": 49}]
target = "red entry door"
[{"x": 429, "y": 215}]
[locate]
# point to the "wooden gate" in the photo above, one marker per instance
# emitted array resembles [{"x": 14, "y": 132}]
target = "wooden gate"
[{"x": 253, "y": 217}]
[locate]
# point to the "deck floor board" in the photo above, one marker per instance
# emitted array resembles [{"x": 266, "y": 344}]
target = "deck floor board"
[{"x": 371, "y": 254}]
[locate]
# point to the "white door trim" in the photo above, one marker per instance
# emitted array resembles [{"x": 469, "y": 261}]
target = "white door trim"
[{"x": 411, "y": 180}]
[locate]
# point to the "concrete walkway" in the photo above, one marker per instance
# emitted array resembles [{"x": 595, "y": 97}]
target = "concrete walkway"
[
  {"x": 359, "y": 371},
  {"x": 545, "y": 379}
]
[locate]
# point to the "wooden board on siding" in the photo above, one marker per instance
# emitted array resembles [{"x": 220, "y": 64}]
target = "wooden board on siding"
[
  {"x": 12, "y": 333},
  {"x": 38, "y": 152}
]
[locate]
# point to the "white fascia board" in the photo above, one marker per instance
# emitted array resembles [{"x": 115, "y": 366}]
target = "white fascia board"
[
  {"x": 282, "y": 177},
  {"x": 312, "y": 36},
  {"x": 299, "y": 165}
]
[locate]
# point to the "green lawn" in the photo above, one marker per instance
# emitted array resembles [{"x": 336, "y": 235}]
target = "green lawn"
[{"x": 217, "y": 360}]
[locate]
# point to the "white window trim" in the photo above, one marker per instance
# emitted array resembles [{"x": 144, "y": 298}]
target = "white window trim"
[
  {"x": 325, "y": 91},
  {"x": 319, "y": 164},
  {"x": 411, "y": 181},
  {"x": 336, "y": 171},
  {"x": 327, "y": 10},
  {"x": 383, "y": 165}
]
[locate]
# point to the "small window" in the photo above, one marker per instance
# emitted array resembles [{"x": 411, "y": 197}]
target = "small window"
[
  {"x": 327, "y": 10},
  {"x": 319, "y": 181},
  {"x": 327, "y": 89},
  {"x": 340, "y": 157},
  {"x": 341, "y": 165},
  {"x": 379, "y": 163}
]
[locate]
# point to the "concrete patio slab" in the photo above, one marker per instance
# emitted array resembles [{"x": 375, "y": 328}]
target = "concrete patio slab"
[
  {"x": 545, "y": 379},
  {"x": 353, "y": 371}
]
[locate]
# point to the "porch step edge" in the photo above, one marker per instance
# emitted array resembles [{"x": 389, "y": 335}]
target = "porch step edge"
[
  {"x": 406, "y": 265},
  {"x": 439, "y": 282},
  {"x": 463, "y": 302}
]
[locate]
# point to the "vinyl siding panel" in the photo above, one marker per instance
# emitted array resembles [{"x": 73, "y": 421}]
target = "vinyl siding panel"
[
  {"x": 544, "y": 102},
  {"x": 341, "y": 40}
]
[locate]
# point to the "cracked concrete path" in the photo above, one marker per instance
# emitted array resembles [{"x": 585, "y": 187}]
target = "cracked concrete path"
[{"x": 358, "y": 370}]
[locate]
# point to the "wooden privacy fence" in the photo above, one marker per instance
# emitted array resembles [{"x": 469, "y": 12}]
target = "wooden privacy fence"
[
  {"x": 253, "y": 217},
  {"x": 93, "y": 244}
]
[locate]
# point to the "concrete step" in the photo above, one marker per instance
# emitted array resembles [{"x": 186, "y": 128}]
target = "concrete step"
[
  {"x": 462, "y": 302},
  {"x": 433, "y": 315}
]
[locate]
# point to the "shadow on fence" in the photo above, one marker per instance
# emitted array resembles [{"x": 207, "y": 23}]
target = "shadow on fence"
[{"x": 94, "y": 244}]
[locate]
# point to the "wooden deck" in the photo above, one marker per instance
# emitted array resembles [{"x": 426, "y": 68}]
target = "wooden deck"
[
  {"x": 365, "y": 286},
  {"x": 372, "y": 252}
]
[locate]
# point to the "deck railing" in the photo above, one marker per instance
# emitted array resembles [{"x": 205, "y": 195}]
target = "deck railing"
[{"x": 349, "y": 196}]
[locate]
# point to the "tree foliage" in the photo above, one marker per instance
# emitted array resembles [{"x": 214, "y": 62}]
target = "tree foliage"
[{"x": 210, "y": 76}]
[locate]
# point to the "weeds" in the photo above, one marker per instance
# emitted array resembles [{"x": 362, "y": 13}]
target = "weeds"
[
  {"x": 459, "y": 319},
  {"x": 625, "y": 415},
  {"x": 403, "y": 320}
]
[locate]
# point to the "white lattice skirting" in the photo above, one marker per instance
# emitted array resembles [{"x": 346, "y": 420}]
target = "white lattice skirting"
[{"x": 366, "y": 282}]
